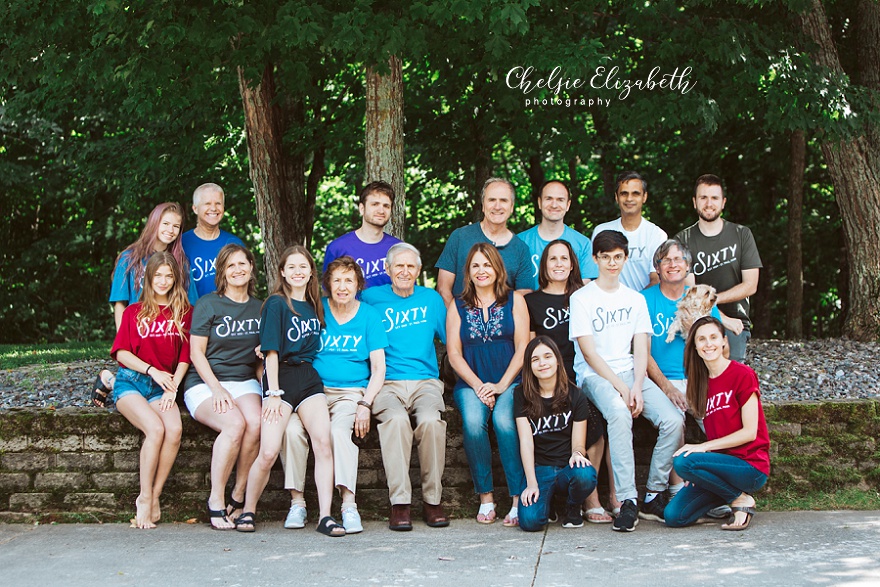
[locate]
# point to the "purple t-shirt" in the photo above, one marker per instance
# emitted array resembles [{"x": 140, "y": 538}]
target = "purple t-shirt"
[{"x": 370, "y": 256}]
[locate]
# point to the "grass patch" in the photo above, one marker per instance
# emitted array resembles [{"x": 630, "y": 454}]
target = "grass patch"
[
  {"x": 17, "y": 355},
  {"x": 842, "y": 499}
]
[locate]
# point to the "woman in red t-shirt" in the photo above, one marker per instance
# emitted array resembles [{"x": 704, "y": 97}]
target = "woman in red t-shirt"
[
  {"x": 734, "y": 462},
  {"x": 152, "y": 349}
]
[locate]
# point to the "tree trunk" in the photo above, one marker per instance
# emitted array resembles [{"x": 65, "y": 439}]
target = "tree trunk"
[
  {"x": 794, "y": 321},
  {"x": 857, "y": 191},
  {"x": 536, "y": 180},
  {"x": 384, "y": 138}
]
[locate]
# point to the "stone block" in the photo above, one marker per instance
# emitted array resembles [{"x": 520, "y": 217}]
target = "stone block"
[
  {"x": 790, "y": 428},
  {"x": 13, "y": 444},
  {"x": 186, "y": 480},
  {"x": 103, "y": 443},
  {"x": 55, "y": 481},
  {"x": 84, "y": 461},
  {"x": 65, "y": 443},
  {"x": 26, "y": 461},
  {"x": 14, "y": 481},
  {"x": 193, "y": 460},
  {"x": 90, "y": 502},
  {"x": 109, "y": 481},
  {"x": 29, "y": 502},
  {"x": 126, "y": 461}
]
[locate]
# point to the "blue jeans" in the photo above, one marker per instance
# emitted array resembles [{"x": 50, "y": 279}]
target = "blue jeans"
[
  {"x": 738, "y": 344},
  {"x": 578, "y": 483},
  {"x": 715, "y": 479},
  {"x": 475, "y": 416}
]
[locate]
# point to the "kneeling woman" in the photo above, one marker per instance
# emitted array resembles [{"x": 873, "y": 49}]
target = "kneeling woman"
[
  {"x": 290, "y": 334},
  {"x": 735, "y": 460},
  {"x": 551, "y": 420},
  {"x": 152, "y": 349}
]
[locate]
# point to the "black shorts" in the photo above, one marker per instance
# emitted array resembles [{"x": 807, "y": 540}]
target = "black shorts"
[
  {"x": 298, "y": 382},
  {"x": 595, "y": 425}
]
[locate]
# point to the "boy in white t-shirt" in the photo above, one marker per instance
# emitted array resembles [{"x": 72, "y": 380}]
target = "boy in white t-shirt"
[{"x": 607, "y": 320}]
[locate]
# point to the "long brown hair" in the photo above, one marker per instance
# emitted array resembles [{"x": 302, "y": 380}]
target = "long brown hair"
[
  {"x": 695, "y": 368},
  {"x": 313, "y": 290},
  {"x": 534, "y": 403},
  {"x": 142, "y": 248},
  {"x": 178, "y": 300},
  {"x": 223, "y": 258},
  {"x": 502, "y": 290},
  {"x": 574, "y": 281}
]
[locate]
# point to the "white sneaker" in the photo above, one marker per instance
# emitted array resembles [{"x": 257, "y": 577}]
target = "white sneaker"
[
  {"x": 351, "y": 520},
  {"x": 296, "y": 517}
]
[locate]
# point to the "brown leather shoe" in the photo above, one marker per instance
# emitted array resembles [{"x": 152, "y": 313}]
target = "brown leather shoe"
[
  {"x": 399, "y": 519},
  {"x": 434, "y": 515}
]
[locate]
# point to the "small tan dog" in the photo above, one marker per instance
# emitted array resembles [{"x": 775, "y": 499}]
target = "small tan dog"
[{"x": 695, "y": 304}]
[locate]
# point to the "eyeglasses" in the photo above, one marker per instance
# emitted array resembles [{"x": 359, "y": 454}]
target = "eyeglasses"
[
  {"x": 604, "y": 258},
  {"x": 666, "y": 261}
]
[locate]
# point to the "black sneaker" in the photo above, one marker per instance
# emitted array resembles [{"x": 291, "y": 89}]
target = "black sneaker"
[
  {"x": 573, "y": 517},
  {"x": 552, "y": 516},
  {"x": 653, "y": 510},
  {"x": 628, "y": 518}
]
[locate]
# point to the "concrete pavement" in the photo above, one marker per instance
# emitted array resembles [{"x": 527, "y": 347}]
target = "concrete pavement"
[{"x": 782, "y": 548}]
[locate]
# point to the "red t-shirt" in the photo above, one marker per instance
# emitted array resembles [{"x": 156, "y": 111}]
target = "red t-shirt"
[
  {"x": 157, "y": 343},
  {"x": 727, "y": 394}
]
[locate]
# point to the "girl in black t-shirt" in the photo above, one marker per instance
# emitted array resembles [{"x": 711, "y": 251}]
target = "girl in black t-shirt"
[
  {"x": 558, "y": 278},
  {"x": 551, "y": 420}
]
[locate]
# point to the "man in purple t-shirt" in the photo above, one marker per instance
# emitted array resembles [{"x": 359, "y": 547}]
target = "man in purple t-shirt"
[{"x": 368, "y": 244}]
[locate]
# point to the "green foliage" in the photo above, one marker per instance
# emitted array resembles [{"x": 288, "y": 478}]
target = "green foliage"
[{"x": 17, "y": 355}]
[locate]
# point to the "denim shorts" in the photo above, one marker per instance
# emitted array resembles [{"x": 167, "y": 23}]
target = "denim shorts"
[{"x": 129, "y": 382}]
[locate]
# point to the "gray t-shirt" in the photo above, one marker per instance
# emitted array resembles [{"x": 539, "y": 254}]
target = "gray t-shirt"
[
  {"x": 515, "y": 254},
  {"x": 233, "y": 331},
  {"x": 720, "y": 260}
]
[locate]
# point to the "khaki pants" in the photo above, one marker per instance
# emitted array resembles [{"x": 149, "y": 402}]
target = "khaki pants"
[
  {"x": 392, "y": 408},
  {"x": 342, "y": 403}
]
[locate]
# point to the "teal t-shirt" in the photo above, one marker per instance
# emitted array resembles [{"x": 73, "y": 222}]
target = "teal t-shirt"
[
  {"x": 583, "y": 249},
  {"x": 295, "y": 336},
  {"x": 412, "y": 324},
  {"x": 344, "y": 355},
  {"x": 669, "y": 356}
]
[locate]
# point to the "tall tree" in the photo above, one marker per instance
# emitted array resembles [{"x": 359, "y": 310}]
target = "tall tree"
[{"x": 794, "y": 318}]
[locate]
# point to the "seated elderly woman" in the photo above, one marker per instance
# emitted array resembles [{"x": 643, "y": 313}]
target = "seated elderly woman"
[
  {"x": 351, "y": 363},
  {"x": 223, "y": 391},
  {"x": 487, "y": 329}
]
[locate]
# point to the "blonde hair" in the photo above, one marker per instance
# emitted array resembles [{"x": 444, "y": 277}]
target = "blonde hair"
[{"x": 178, "y": 301}]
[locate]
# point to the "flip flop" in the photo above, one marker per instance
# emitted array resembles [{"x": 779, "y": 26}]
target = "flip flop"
[
  {"x": 749, "y": 512},
  {"x": 600, "y": 516},
  {"x": 330, "y": 527},
  {"x": 511, "y": 520},
  {"x": 233, "y": 505},
  {"x": 486, "y": 514},
  {"x": 101, "y": 394},
  {"x": 218, "y": 515},
  {"x": 245, "y": 522}
]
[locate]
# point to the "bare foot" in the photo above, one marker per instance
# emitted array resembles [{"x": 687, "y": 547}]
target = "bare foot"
[
  {"x": 156, "y": 511},
  {"x": 143, "y": 517}
]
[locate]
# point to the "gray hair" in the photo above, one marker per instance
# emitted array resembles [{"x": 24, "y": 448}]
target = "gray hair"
[
  {"x": 492, "y": 180},
  {"x": 400, "y": 248},
  {"x": 664, "y": 248},
  {"x": 207, "y": 187}
]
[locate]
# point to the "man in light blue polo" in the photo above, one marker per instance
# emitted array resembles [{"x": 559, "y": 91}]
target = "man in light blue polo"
[{"x": 554, "y": 202}]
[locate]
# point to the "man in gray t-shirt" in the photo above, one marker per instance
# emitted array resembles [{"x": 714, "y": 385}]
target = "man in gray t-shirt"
[{"x": 724, "y": 256}]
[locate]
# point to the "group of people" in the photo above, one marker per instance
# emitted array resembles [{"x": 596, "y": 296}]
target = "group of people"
[{"x": 559, "y": 341}]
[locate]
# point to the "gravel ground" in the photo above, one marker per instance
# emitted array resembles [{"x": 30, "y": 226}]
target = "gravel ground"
[{"x": 789, "y": 371}]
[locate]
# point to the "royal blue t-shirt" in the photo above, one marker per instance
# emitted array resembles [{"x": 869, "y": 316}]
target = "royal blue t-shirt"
[
  {"x": 669, "y": 356},
  {"x": 583, "y": 249},
  {"x": 202, "y": 257},
  {"x": 124, "y": 289},
  {"x": 370, "y": 256},
  {"x": 296, "y": 337},
  {"x": 412, "y": 324},
  {"x": 344, "y": 356}
]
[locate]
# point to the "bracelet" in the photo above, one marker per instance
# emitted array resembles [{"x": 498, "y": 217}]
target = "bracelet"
[
  {"x": 366, "y": 404},
  {"x": 147, "y": 372},
  {"x": 577, "y": 452},
  {"x": 274, "y": 392}
]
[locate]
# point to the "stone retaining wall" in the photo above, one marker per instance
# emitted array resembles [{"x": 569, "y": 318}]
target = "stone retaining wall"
[{"x": 85, "y": 461}]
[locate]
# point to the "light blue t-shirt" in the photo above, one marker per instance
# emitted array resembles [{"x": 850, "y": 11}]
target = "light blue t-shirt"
[
  {"x": 412, "y": 324},
  {"x": 202, "y": 257},
  {"x": 124, "y": 289},
  {"x": 583, "y": 249},
  {"x": 344, "y": 355},
  {"x": 669, "y": 356}
]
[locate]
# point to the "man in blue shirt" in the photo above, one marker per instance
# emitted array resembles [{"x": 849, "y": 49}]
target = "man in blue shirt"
[
  {"x": 413, "y": 316},
  {"x": 202, "y": 243},
  {"x": 555, "y": 201}
]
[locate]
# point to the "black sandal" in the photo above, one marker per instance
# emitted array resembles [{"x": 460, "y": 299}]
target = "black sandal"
[
  {"x": 218, "y": 514},
  {"x": 748, "y": 511},
  {"x": 245, "y": 522},
  {"x": 101, "y": 394},
  {"x": 330, "y": 527},
  {"x": 234, "y": 504}
]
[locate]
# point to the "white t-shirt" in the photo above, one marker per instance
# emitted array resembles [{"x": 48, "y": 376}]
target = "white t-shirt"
[
  {"x": 612, "y": 319},
  {"x": 643, "y": 243}
]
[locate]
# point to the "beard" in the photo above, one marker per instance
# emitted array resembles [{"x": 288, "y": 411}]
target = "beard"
[{"x": 709, "y": 216}]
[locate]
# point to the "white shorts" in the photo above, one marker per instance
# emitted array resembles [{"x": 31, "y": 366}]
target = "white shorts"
[{"x": 195, "y": 395}]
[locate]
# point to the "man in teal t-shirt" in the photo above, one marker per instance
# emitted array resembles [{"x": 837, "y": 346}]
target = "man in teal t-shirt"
[{"x": 413, "y": 317}]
